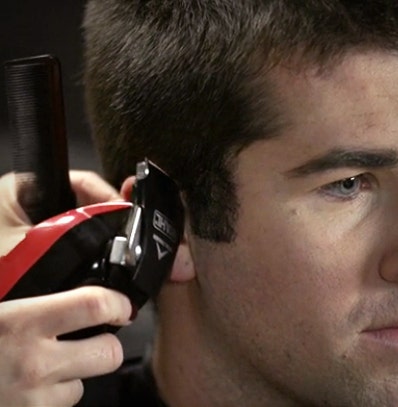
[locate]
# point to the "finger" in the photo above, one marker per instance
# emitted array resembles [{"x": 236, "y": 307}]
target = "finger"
[
  {"x": 11, "y": 236},
  {"x": 11, "y": 210},
  {"x": 90, "y": 188},
  {"x": 13, "y": 221},
  {"x": 56, "y": 395},
  {"x": 87, "y": 307},
  {"x": 86, "y": 358},
  {"x": 65, "y": 394},
  {"x": 65, "y": 312},
  {"x": 127, "y": 188}
]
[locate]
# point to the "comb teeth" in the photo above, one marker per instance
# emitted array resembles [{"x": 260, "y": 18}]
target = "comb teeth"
[
  {"x": 30, "y": 114},
  {"x": 37, "y": 124}
]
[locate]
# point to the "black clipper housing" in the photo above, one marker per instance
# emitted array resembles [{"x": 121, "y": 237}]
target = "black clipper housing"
[{"x": 142, "y": 256}]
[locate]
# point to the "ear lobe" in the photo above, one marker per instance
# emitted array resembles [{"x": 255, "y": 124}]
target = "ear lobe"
[
  {"x": 127, "y": 188},
  {"x": 183, "y": 268}
]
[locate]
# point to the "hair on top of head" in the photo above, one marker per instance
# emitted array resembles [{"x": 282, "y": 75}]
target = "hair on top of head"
[{"x": 184, "y": 82}]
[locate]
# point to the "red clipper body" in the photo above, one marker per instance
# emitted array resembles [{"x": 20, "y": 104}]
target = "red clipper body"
[{"x": 54, "y": 251}]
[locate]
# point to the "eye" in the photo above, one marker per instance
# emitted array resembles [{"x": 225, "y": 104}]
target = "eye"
[{"x": 348, "y": 188}]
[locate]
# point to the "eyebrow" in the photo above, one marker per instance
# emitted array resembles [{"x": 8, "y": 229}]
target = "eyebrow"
[{"x": 346, "y": 158}]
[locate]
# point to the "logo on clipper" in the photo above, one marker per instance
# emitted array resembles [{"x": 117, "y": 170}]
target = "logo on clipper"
[{"x": 163, "y": 225}]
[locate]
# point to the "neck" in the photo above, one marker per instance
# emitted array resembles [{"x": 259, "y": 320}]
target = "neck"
[{"x": 193, "y": 367}]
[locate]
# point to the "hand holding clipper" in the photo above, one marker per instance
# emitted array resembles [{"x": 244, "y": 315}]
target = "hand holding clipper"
[{"x": 127, "y": 246}]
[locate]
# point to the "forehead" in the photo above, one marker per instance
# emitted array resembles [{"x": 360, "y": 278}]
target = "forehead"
[
  {"x": 352, "y": 106},
  {"x": 344, "y": 103}
]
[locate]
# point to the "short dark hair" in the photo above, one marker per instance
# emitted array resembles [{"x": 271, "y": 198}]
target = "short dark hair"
[{"x": 183, "y": 82}]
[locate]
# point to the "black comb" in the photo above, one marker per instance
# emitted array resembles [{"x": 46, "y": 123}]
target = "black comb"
[{"x": 37, "y": 124}]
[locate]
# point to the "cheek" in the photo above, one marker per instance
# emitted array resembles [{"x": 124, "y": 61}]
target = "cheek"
[
  {"x": 301, "y": 273},
  {"x": 285, "y": 289}
]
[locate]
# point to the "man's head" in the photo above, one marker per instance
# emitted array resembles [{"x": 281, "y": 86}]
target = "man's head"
[
  {"x": 279, "y": 119},
  {"x": 185, "y": 83}
]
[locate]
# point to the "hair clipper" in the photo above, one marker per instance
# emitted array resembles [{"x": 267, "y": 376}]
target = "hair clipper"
[{"x": 126, "y": 246}]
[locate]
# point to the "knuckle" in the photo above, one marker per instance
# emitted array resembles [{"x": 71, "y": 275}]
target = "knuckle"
[
  {"x": 113, "y": 351},
  {"x": 92, "y": 175},
  {"x": 83, "y": 180},
  {"x": 9, "y": 314},
  {"x": 97, "y": 304},
  {"x": 32, "y": 373},
  {"x": 5, "y": 327},
  {"x": 76, "y": 392},
  {"x": 34, "y": 398},
  {"x": 89, "y": 179}
]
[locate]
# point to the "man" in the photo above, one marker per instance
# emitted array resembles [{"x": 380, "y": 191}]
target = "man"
[{"x": 279, "y": 121}]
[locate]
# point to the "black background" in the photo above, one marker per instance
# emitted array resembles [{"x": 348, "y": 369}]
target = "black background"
[{"x": 34, "y": 27}]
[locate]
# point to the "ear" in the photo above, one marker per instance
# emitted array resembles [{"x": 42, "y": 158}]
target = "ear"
[{"x": 183, "y": 268}]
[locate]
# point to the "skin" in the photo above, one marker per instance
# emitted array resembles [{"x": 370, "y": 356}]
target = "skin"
[
  {"x": 302, "y": 308},
  {"x": 37, "y": 369}
]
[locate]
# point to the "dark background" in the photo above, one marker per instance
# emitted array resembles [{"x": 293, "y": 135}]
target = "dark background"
[{"x": 34, "y": 27}]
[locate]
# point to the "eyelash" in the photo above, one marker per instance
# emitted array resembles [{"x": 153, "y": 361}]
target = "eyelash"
[{"x": 363, "y": 182}]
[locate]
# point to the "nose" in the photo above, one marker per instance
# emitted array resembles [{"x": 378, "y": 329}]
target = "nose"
[{"x": 386, "y": 240}]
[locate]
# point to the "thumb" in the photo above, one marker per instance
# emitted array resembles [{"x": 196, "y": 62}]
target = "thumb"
[{"x": 13, "y": 221}]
